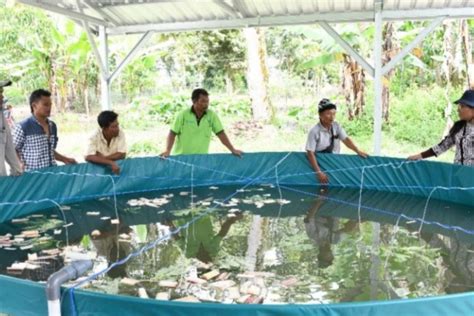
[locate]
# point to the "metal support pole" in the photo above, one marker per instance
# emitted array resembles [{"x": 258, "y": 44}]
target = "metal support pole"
[
  {"x": 348, "y": 48},
  {"x": 378, "y": 81},
  {"x": 130, "y": 55},
  {"x": 407, "y": 49},
  {"x": 104, "y": 80}
]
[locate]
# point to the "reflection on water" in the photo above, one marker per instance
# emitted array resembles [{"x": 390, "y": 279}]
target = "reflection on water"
[{"x": 301, "y": 246}]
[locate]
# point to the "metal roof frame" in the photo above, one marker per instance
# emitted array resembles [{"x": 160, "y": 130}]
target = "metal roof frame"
[{"x": 116, "y": 17}]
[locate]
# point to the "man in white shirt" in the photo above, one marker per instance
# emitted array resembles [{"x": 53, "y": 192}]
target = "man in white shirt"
[
  {"x": 7, "y": 149},
  {"x": 108, "y": 144},
  {"x": 325, "y": 137}
]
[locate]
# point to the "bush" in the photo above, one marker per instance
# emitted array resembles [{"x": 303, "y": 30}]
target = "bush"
[
  {"x": 418, "y": 117},
  {"x": 143, "y": 148},
  {"x": 162, "y": 108}
]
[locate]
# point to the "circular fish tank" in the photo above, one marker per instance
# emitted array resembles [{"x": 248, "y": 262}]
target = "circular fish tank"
[{"x": 251, "y": 236}]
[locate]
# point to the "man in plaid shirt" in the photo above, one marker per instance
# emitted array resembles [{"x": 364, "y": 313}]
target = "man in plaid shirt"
[{"x": 36, "y": 137}]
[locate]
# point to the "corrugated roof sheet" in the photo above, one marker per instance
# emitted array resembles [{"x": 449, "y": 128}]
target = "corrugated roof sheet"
[{"x": 129, "y": 16}]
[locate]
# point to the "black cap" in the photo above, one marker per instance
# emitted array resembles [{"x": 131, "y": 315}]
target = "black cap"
[
  {"x": 325, "y": 104},
  {"x": 5, "y": 83},
  {"x": 467, "y": 98}
]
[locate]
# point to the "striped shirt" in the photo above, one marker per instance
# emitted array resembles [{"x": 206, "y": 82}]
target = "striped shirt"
[{"x": 35, "y": 148}]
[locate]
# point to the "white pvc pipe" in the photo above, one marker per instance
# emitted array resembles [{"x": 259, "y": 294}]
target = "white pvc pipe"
[{"x": 54, "y": 308}]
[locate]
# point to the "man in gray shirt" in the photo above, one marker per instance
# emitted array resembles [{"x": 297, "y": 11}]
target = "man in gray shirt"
[
  {"x": 7, "y": 149},
  {"x": 325, "y": 137}
]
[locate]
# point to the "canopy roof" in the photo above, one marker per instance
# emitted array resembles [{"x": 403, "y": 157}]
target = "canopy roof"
[{"x": 139, "y": 16}]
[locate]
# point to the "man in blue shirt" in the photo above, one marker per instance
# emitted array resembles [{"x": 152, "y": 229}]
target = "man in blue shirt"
[{"x": 36, "y": 137}]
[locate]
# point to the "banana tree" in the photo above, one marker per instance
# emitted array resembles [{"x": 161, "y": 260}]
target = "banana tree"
[{"x": 353, "y": 75}]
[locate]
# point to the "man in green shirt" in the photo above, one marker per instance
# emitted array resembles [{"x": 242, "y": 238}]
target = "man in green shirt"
[{"x": 192, "y": 129}]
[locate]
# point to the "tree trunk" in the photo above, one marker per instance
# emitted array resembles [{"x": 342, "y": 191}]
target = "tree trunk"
[
  {"x": 346, "y": 86},
  {"x": 253, "y": 243},
  {"x": 257, "y": 74},
  {"x": 390, "y": 50},
  {"x": 467, "y": 49},
  {"x": 447, "y": 67},
  {"x": 353, "y": 86},
  {"x": 448, "y": 59},
  {"x": 86, "y": 99},
  {"x": 53, "y": 88},
  {"x": 229, "y": 86}
]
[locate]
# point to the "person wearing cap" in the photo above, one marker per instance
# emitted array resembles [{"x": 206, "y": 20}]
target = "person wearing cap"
[
  {"x": 461, "y": 134},
  {"x": 193, "y": 127},
  {"x": 7, "y": 149},
  {"x": 325, "y": 137},
  {"x": 36, "y": 137},
  {"x": 108, "y": 144}
]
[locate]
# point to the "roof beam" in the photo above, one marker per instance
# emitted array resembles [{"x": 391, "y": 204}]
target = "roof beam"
[
  {"x": 227, "y": 9},
  {"x": 240, "y": 7},
  {"x": 69, "y": 13},
  {"x": 101, "y": 12},
  {"x": 102, "y": 65},
  {"x": 241, "y": 23},
  {"x": 348, "y": 48},
  {"x": 407, "y": 49},
  {"x": 131, "y": 55},
  {"x": 112, "y": 4},
  {"x": 330, "y": 17},
  {"x": 423, "y": 14}
]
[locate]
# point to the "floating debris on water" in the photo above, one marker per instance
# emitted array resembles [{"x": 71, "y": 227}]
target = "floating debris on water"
[
  {"x": 142, "y": 293},
  {"x": 168, "y": 283},
  {"x": 189, "y": 299},
  {"x": 289, "y": 282},
  {"x": 210, "y": 275},
  {"x": 162, "y": 296},
  {"x": 20, "y": 220},
  {"x": 30, "y": 233},
  {"x": 196, "y": 280},
  {"x": 222, "y": 285}
]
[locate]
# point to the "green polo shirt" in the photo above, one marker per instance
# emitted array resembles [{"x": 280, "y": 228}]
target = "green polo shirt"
[
  {"x": 201, "y": 238},
  {"x": 193, "y": 136}
]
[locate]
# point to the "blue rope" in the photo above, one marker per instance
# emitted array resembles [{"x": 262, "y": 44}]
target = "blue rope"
[
  {"x": 386, "y": 212},
  {"x": 81, "y": 197},
  {"x": 210, "y": 181}
]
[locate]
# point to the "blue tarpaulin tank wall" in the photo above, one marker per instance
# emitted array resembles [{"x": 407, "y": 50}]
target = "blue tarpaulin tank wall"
[{"x": 67, "y": 184}]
